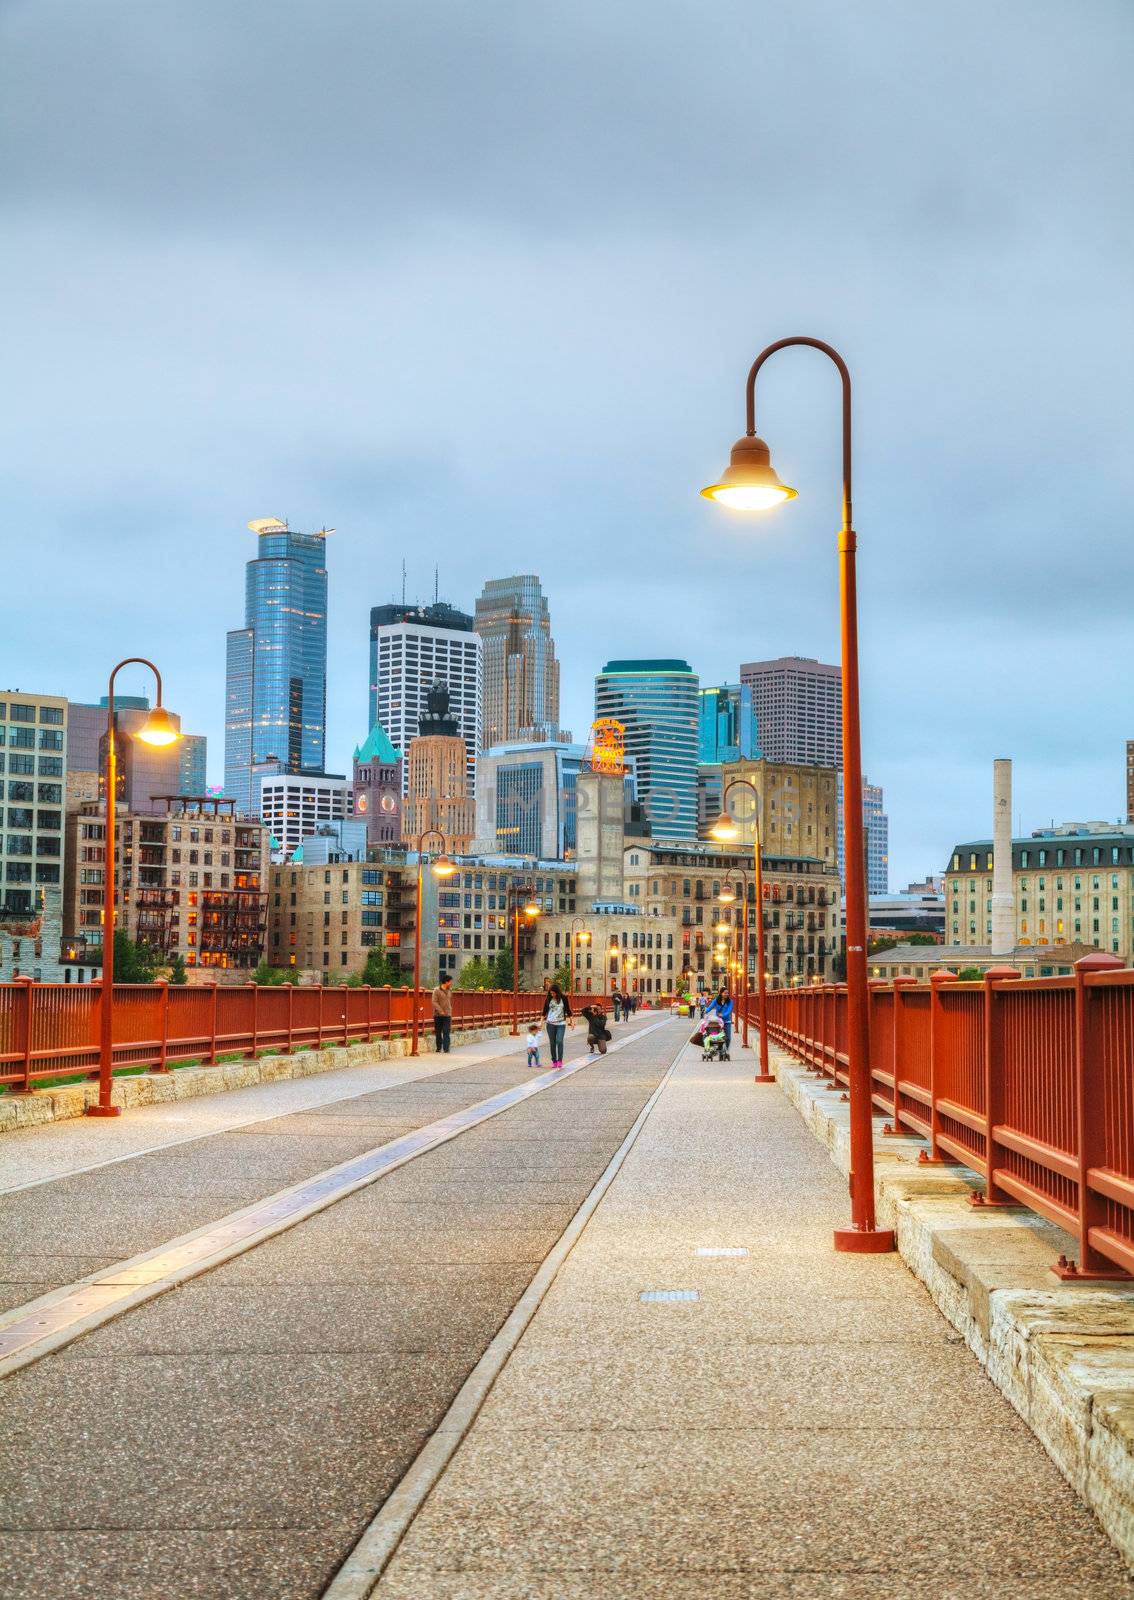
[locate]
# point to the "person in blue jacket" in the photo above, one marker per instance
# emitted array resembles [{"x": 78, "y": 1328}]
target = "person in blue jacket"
[{"x": 722, "y": 1005}]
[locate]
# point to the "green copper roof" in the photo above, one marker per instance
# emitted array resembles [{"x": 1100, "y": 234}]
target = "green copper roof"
[
  {"x": 377, "y": 747},
  {"x": 665, "y": 664},
  {"x": 297, "y": 858}
]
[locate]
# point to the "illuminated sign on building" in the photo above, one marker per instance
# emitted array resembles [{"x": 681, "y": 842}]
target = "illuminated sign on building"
[{"x": 608, "y": 746}]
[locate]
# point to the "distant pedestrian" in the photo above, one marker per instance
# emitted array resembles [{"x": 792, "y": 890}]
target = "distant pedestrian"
[
  {"x": 557, "y": 1015},
  {"x": 597, "y": 1031},
  {"x": 443, "y": 1014},
  {"x": 533, "y": 1047},
  {"x": 616, "y": 999}
]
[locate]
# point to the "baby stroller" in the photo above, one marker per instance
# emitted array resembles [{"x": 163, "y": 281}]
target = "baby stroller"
[{"x": 711, "y": 1037}]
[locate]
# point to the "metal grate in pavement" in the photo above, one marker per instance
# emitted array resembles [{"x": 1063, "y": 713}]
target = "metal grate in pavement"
[
  {"x": 653, "y": 1297},
  {"x": 721, "y": 1250}
]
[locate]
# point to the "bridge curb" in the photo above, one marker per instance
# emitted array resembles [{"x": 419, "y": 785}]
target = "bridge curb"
[{"x": 1061, "y": 1353}]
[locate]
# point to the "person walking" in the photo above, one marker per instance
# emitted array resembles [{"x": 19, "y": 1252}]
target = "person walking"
[
  {"x": 443, "y": 1014},
  {"x": 722, "y": 1005},
  {"x": 557, "y": 1015},
  {"x": 616, "y": 1000}
]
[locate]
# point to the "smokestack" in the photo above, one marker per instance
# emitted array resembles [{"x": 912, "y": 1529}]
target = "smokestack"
[{"x": 1003, "y": 897}]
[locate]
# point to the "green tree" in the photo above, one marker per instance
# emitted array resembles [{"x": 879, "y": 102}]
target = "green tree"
[
  {"x": 133, "y": 963},
  {"x": 177, "y": 972},
  {"x": 562, "y": 976},
  {"x": 476, "y": 974},
  {"x": 971, "y": 974},
  {"x": 269, "y": 977},
  {"x": 502, "y": 970},
  {"x": 380, "y": 971}
]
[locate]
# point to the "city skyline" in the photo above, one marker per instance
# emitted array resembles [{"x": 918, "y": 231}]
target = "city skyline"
[{"x": 411, "y": 385}]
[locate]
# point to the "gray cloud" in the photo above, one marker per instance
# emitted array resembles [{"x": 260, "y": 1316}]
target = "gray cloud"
[{"x": 478, "y": 284}]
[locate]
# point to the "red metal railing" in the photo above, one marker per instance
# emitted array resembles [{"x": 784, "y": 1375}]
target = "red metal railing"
[
  {"x": 1030, "y": 1082},
  {"x": 50, "y": 1030}
]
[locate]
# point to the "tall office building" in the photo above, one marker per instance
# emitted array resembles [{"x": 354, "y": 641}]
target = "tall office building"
[
  {"x": 146, "y": 774},
  {"x": 521, "y": 674},
  {"x": 411, "y": 649},
  {"x": 876, "y": 825},
  {"x": 798, "y": 706},
  {"x": 1130, "y": 780},
  {"x": 33, "y": 746},
  {"x": 276, "y": 667},
  {"x": 728, "y": 728},
  {"x": 657, "y": 703}
]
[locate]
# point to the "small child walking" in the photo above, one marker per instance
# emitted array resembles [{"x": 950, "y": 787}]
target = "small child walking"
[{"x": 533, "y": 1048}]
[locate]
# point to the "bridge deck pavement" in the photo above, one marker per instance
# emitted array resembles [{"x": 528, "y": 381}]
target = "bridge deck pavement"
[
  {"x": 809, "y": 1426},
  {"x": 231, "y": 1439}
]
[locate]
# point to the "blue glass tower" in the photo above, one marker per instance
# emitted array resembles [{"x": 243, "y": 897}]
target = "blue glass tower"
[
  {"x": 276, "y": 667},
  {"x": 728, "y": 725},
  {"x": 657, "y": 704}
]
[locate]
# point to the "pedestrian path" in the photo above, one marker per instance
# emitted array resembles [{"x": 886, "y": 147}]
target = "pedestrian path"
[
  {"x": 684, "y": 1419},
  {"x": 40, "y": 1153},
  {"x": 231, "y": 1439}
]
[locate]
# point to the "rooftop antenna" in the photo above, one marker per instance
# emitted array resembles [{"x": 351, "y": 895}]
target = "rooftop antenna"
[
  {"x": 403, "y": 580},
  {"x": 436, "y": 581}
]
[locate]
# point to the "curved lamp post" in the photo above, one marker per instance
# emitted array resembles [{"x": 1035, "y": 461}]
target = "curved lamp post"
[
  {"x": 157, "y": 730},
  {"x": 750, "y": 483},
  {"x": 728, "y": 897},
  {"x": 582, "y": 937},
  {"x": 441, "y": 868},
  {"x": 531, "y": 909},
  {"x": 725, "y": 829}
]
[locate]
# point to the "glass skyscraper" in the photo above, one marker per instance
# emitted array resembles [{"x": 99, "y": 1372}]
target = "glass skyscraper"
[
  {"x": 728, "y": 725},
  {"x": 657, "y": 703},
  {"x": 276, "y": 667}
]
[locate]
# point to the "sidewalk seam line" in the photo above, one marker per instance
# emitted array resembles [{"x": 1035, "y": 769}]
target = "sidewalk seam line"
[
  {"x": 360, "y": 1573},
  {"x": 116, "y": 1305}
]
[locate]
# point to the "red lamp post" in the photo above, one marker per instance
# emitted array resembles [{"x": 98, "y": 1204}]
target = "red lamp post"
[
  {"x": 441, "y": 868},
  {"x": 725, "y": 828},
  {"x": 750, "y": 483},
  {"x": 531, "y": 909},
  {"x": 157, "y": 730}
]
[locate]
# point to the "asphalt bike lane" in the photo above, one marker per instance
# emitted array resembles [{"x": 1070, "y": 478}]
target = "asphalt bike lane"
[{"x": 236, "y": 1436}]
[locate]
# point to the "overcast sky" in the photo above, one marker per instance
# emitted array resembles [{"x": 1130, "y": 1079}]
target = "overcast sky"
[{"x": 478, "y": 284}]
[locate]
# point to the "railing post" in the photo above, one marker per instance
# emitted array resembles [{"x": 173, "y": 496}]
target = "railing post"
[
  {"x": 346, "y": 1015},
  {"x": 26, "y": 1033},
  {"x": 163, "y": 1012},
  {"x": 894, "y": 1128},
  {"x": 290, "y": 1016},
  {"x": 369, "y": 1016},
  {"x": 250, "y": 1053},
  {"x": 319, "y": 1041},
  {"x": 937, "y": 982},
  {"x": 1090, "y": 1123},
  {"x": 211, "y": 1058},
  {"x": 993, "y": 1086}
]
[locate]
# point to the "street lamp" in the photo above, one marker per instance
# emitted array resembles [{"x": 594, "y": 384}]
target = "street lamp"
[
  {"x": 531, "y": 909},
  {"x": 726, "y": 830},
  {"x": 443, "y": 867},
  {"x": 582, "y": 937},
  {"x": 750, "y": 484},
  {"x": 727, "y": 897},
  {"x": 158, "y": 730}
]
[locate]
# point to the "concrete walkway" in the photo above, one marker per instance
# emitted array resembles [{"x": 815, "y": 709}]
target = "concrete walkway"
[{"x": 808, "y": 1426}]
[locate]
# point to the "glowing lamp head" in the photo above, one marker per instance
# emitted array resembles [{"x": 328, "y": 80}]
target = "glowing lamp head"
[
  {"x": 443, "y": 867},
  {"x": 723, "y": 927},
  {"x": 583, "y": 937},
  {"x": 727, "y": 895},
  {"x": 724, "y": 829},
  {"x": 532, "y": 909},
  {"x": 158, "y": 729},
  {"x": 749, "y": 482}
]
